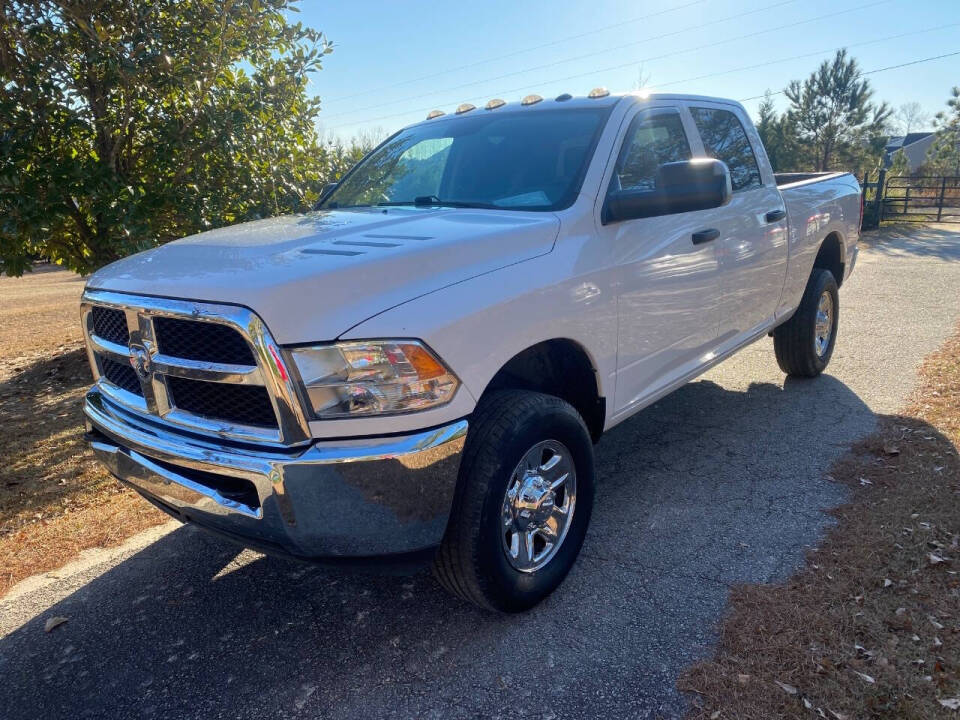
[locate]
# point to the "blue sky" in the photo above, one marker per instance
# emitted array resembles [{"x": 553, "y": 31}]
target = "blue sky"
[{"x": 394, "y": 61}]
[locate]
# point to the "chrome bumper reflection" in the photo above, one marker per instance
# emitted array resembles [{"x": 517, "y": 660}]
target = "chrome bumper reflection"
[{"x": 343, "y": 498}]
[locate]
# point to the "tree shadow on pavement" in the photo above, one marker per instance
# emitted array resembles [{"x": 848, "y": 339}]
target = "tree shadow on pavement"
[
  {"x": 923, "y": 240},
  {"x": 706, "y": 488}
]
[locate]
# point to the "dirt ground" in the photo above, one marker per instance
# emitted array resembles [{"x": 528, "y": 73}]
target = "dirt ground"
[
  {"x": 870, "y": 627},
  {"x": 54, "y": 499}
]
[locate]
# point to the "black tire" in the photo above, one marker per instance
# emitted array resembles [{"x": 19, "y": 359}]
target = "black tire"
[
  {"x": 793, "y": 342},
  {"x": 471, "y": 562}
]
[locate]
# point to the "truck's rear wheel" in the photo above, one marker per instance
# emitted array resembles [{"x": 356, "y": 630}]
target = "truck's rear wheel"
[
  {"x": 804, "y": 344},
  {"x": 523, "y": 502}
]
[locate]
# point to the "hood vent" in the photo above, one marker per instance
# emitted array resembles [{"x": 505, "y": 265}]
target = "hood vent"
[
  {"x": 398, "y": 237},
  {"x": 324, "y": 251},
  {"x": 361, "y": 243}
]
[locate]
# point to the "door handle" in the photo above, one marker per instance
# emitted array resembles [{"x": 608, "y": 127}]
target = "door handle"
[
  {"x": 775, "y": 215},
  {"x": 703, "y": 236}
]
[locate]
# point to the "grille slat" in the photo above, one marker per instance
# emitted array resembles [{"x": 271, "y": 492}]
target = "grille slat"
[
  {"x": 203, "y": 341},
  {"x": 123, "y": 376},
  {"x": 244, "y": 404},
  {"x": 110, "y": 324}
]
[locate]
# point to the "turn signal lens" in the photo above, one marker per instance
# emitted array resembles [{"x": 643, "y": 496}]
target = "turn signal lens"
[{"x": 373, "y": 378}]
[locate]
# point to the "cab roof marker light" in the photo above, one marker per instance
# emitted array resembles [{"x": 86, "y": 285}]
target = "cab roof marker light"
[
  {"x": 435, "y": 114},
  {"x": 564, "y": 97},
  {"x": 465, "y": 108},
  {"x": 532, "y": 99},
  {"x": 598, "y": 92},
  {"x": 494, "y": 104}
]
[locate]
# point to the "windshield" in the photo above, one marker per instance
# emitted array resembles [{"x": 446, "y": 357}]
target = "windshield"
[{"x": 520, "y": 161}]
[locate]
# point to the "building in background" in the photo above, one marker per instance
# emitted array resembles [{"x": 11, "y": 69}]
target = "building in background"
[{"x": 914, "y": 146}]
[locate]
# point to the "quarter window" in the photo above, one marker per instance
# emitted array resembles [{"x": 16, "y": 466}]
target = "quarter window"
[
  {"x": 725, "y": 139},
  {"x": 654, "y": 138}
]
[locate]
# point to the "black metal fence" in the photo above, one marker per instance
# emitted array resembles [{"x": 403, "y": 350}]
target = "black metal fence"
[{"x": 926, "y": 198}]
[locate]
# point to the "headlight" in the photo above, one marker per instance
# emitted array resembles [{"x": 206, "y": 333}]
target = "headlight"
[{"x": 373, "y": 378}]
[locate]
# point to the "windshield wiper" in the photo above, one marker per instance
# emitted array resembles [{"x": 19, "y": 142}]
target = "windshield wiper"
[{"x": 434, "y": 201}]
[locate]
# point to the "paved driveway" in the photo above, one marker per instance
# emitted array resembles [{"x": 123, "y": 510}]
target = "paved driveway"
[{"x": 722, "y": 482}]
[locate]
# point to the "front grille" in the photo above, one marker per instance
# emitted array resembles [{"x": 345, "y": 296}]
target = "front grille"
[
  {"x": 194, "y": 366},
  {"x": 123, "y": 376},
  {"x": 244, "y": 404},
  {"x": 110, "y": 324},
  {"x": 203, "y": 341}
]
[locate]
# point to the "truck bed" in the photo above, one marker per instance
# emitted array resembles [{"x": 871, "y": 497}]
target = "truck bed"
[{"x": 803, "y": 178}]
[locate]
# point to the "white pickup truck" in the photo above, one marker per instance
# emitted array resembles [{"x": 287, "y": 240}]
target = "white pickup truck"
[{"x": 419, "y": 368}]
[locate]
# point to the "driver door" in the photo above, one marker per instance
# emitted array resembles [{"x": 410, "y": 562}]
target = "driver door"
[{"x": 668, "y": 282}]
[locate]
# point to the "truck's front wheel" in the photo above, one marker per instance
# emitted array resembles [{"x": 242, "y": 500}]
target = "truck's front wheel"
[
  {"x": 804, "y": 344},
  {"x": 523, "y": 502}
]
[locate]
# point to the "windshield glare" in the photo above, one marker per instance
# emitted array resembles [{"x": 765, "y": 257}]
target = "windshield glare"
[{"x": 519, "y": 161}]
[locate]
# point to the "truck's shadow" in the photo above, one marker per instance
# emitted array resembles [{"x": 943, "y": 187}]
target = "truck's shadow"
[{"x": 707, "y": 488}]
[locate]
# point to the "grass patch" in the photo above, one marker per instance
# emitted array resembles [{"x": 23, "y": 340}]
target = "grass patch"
[
  {"x": 870, "y": 627},
  {"x": 55, "y": 499}
]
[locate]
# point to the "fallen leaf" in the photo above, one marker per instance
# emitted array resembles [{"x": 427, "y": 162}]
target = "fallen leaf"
[
  {"x": 936, "y": 559},
  {"x": 743, "y": 678},
  {"x": 714, "y": 715},
  {"x": 891, "y": 449},
  {"x": 864, "y": 676},
  {"x": 864, "y": 481},
  {"x": 53, "y": 622},
  {"x": 887, "y": 582},
  {"x": 933, "y": 621},
  {"x": 789, "y": 689},
  {"x": 951, "y": 703}
]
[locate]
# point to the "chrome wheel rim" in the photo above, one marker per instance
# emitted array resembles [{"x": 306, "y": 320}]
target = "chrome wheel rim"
[
  {"x": 823, "y": 328},
  {"x": 538, "y": 506}
]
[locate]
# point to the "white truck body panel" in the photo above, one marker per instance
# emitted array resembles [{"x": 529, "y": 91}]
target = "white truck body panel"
[{"x": 479, "y": 286}]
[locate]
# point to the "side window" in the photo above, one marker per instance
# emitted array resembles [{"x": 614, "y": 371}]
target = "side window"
[
  {"x": 725, "y": 139},
  {"x": 652, "y": 139}
]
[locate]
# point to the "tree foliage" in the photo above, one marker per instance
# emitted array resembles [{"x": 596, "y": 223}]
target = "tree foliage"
[
  {"x": 943, "y": 158},
  {"x": 910, "y": 117},
  {"x": 779, "y": 137},
  {"x": 126, "y": 124},
  {"x": 900, "y": 164},
  {"x": 835, "y": 121}
]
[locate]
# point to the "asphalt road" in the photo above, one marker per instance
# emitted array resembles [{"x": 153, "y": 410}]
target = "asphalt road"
[{"x": 721, "y": 482}]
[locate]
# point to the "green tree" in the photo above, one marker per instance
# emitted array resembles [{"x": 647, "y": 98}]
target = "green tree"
[
  {"x": 943, "y": 158},
  {"x": 900, "y": 165},
  {"x": 127, "y": 124},
  {"x": 779, "y": 136},
  {"x": 834, "y": 118}
]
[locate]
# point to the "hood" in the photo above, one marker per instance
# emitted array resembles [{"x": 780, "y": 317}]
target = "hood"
[{"x": 312, "y": 277}]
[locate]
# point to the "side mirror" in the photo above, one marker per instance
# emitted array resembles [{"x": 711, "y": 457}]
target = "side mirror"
[{"x": 698, "y": 184}]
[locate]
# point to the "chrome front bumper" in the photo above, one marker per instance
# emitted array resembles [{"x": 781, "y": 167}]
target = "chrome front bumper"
[{"x": 330, "y": 499}]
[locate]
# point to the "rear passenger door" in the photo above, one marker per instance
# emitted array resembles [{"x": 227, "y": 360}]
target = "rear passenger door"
[{"x": 752, "y": 245}]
